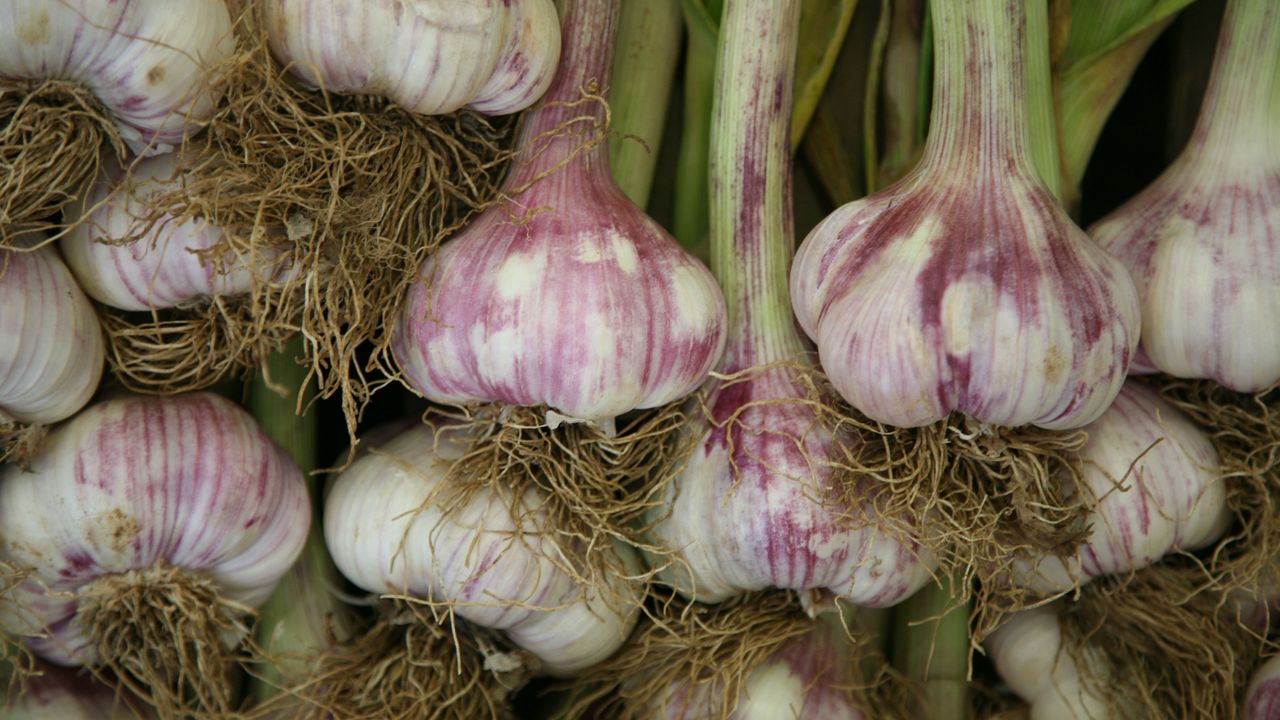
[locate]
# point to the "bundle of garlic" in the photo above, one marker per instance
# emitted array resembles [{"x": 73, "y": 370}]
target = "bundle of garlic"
[
  {"x": 355, "y": 189},
  {"x": 146, "y": 531},
  {"x": 562, "y": 308},
  {"x": 963, "y": 302},
  {"x": 78, "y": 74},
  {"x": 130, "y": 255},
  {"x": 757, "y": 504},
  {"x": 1159, "y": 490},
  {"x": 51, "y": 347},
  {"x": 397, "y": 524},
  {"x": 1199, "y": 241}
]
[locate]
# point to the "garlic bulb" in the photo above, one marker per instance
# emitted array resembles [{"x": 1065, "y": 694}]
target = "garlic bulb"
[
  {"x": 388, "y": 533},
  {"x": 567, "y": 295},
  {"x": 811, "y": 677},
  {"x": 134, "y": 485},
  {"x": 1159, "y": 489},
  {"x": 1028, "y": 654},
  {"x": 151, "y": 63},
  {"x": 52, "y": 353},
  {"x": 751, "y": 508},
  {"x": 1262, "y": 698},
  {"x": 428, "y": 56},
  {"x": 61, "y": 694},
  {"x": 964, "y": 287},
  {"x": 160, "y": 266},
  {"x": 1201, "y": 241}
]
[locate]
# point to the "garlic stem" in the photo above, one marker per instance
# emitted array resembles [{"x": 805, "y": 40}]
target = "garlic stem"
[
  {"x": 1241, "y": 109},
  {"x": 691, "y": 184},
  {"x": 1044, "y": 124},
  {"x": 752, "y": 236},
  {"x": 644, "y": 65},
  {"x": 932, "y": 649}
]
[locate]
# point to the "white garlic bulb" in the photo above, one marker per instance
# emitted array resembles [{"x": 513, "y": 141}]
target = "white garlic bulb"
[
  {"x": 151, "y": 63},
  {"x": 140, "y": 483},
  {"x": 388, "y": 533},
  {"x": 51, "y": 346},
  {"x": 427, "y": 56},
  {"x": 162, "y": 266},
  {"x": 1029, "y": 656},
  {"x": 1172, "y": 496}
]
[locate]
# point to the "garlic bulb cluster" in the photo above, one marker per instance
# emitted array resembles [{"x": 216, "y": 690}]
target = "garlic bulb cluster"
[
  {"x": 1159, "y": 488},
  {"x": 52, "y": 350},
  {"x": 752, "y": 507},
  {"x": 1262, "y": 697},
  {"x": 151, "y": 63},
  {"x": 140, "y": 483},
  {"x": 964, "y": 287},
  {"x": 1203, "y": 241},
  {"x": 160, "y": 265},
  {"x": 567, "y": 295},
  {"x": 1029, "y": 655},
  {"x": 811, "y": 677},
  {"x": 428, "y": 56},
  {"x": 388, "y": 533}
]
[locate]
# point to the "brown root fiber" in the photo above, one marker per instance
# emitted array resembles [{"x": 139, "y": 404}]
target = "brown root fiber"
[
  {"x": 52, "y": 136},
  {"x": 19, "y": 441},
  {"x": 1245, "y": 429},
  {"x": 168, "y": 637},
  {"x": 410, "y": 664},
  {"x": 688, "y": 654},
  {"x": 598, "y": 487},
  {"x": 349, "y": 194}
]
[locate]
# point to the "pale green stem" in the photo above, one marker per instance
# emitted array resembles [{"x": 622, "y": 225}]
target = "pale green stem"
[
  {"x": 293, "y": 624},
  {"x": 644, "y": 65},
  {"x": 692, "y": 194},
  {"x": 1041, "y": 116},
  {"x": 931, "y": 646},
  {"x": 752, "y": 237}
]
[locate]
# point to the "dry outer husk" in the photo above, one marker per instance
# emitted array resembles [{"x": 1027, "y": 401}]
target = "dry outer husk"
[
  {"x": 597, "y": 487},
  {"x": 19, "y": 441},
  {"x": 168, "y": 636},
  {"x": 53, "y": 135},
  {"x": 412, "y": 662},
  {"x": 347, "y": 194}
]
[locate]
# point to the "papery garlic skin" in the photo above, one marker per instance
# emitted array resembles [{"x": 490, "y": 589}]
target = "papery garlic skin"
[
  {"x": 495, "y": 571},
  {"x": 52, "y": 350},
  {"x": 811, "y": 677},
  {"x": 567, "y": 295},
  {"x": 151, "y": 63},
  {"x": 134, "y": 483},
  {"x": 1172, "y": 497},
  {"x": 1028, "y": 654},
  {"x": 1262, "y": 698},
  {"x": 160, "y": 268},
  {"x": 1203, "y": 241},
  {"x": 428, "y": 56},
  {"x": 965, "y": 287}
]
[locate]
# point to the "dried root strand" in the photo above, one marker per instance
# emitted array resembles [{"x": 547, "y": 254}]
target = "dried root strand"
[
  {"x": 349, "y": 193},
  {"x": 52, "y": 137},
  {"x": 1245, "y": 429},
  {"x": 598, "y": 487},
  {"x": 682, "y": 651},
  {"x": 19, "y": 441},
  {"x": 411, "y": 664},
  {"x": 168, "y": 637}
]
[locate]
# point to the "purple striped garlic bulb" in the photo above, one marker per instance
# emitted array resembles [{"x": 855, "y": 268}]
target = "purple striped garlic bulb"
[
  {"x": 139, "y": 485},
  {"x": 51, "y": 352},
  {"x": 964, "y": 287},
  {"x": 427, "y": 56},
  {"x": 151, "y": 63},
  {"x": 811, "y": 677},
  {"x": 1029, "y": 656},
  {"x": 1203, "y": 241},
  {"x": 130, "y": 256},
  {"x": 751, "y": 509},
  {"x": 566, "y": 295},
  {"x": 56, "y": 693},
  {"x": 388, "y": 532},
  {"x": 1262, "y": 697},
  {"x": 1159, "y": 488}
]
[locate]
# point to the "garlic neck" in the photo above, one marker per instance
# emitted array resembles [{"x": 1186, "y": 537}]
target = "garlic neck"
[
  {"x": 979, "y": 129},
  {"x": 1241, "y": 110},
  {"x": 752, "y": 237}
]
